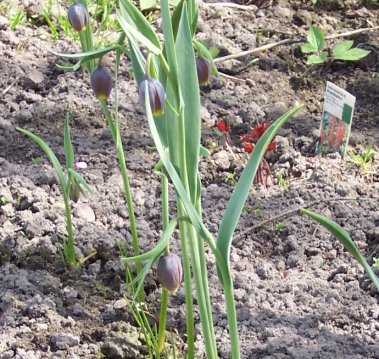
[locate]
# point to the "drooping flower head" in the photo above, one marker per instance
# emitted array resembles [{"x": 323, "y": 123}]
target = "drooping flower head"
[
  {"x": 203, "y": 67},
  {"x": 77, "y": 16},
  {"x": 170, "y": 272},
  {"x": 101, "y": 82},
  {"x": 156, "y": 95}
]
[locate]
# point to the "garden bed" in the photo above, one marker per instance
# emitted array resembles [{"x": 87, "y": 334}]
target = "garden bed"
[{"x": 299, "y": 294}]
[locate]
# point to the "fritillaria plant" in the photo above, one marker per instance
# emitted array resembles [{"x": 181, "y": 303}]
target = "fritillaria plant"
[{"x": 168, "y": 81}]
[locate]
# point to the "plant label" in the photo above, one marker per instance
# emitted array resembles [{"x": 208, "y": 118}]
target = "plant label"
[{"x": 336, "y": 120}]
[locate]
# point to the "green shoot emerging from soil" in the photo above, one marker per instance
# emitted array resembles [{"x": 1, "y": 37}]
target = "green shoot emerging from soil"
[
  {"x": 71, "y": 185},
  {"x": 364, "y": 160}
]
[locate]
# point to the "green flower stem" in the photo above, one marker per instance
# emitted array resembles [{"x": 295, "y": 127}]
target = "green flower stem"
[
  {"x": 190, "y": 323},
  {"x": 69, "y": 246},
  {"x": 205, "y": 315},
  {"x": 115, "y": 130},
  {"x": 86, "y": 39},
  {"x": 162, "y": 320},
  {"x": 204, "y": 272},
  {"x": 164, "y": 300}
]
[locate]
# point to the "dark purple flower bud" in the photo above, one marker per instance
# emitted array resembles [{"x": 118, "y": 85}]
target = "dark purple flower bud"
[
  {"x": 74, "y": 192},
  {"x": 170, "y": 272},
  {"x": 156, "y": 95},
  {"x": 101, "y": 82},
  {"x": 78, "y": 16},
  {"x": 203, "y": 70}
]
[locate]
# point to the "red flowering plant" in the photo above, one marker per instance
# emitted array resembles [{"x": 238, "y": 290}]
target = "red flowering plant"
[
  {"x": 248, "y": 142},
  {"x": 224, "y": 128}
]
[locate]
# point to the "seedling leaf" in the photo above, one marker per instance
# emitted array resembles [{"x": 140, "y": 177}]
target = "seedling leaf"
[
  {"x": 308, "y": 48},
  {"x": 316, "y": 59},
  {"x": 343, "y": 51},
  {"x": 316, "y": 38}
]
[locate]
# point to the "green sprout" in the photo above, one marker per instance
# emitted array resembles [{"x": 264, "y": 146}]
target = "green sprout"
[
  {"x": 231, "y": 177},
  {"x": 315, "y": 46},
  {"x": 279, "y": 227},
  {"x": 4, "y": 200},
  {"x": 37, "y": 160},
  {"x": 364, "y": 160},
  {"x": 282, "y": 182}
]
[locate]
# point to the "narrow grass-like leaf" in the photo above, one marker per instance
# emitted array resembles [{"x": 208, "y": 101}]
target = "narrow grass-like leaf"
[
  {"x": 192, "y": 11},
  {"x": 345, "y": 240},
  {"x": 86, "y": 39},
  {"x": 140, "y": 278},
  {"x": 93, "y": 54},
  {"x": 237, "y": 200},
  {"x": 159, "y": 248},
  {"x": 69, "y": 151},
  {"x": 50, "y": 154}
]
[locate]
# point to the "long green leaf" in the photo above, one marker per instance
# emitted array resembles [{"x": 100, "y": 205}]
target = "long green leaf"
[
  {"x": 50, "y": 154},
  {"x": 138, "y": 61},
  {"x": 169, "y": 40},
  {"x": 132, "y": 15},
  {"x": 190, "y": 208},
  {"x": 86, "y": 39},
  {"x": 140, "y": 278},
  {"x": 189, "y": 87},
  {"x": 165, "y": 158},
  {"x": 345, "y": 240},
  {"x": 159, "y": 248},
  {"x": 69, "y": 151},
  {"x": 88, "y": 54},
  {"x": 130, "y": 31},
  {"x": 237, "y": 200},
  {"x": 192, "y": 11}
]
